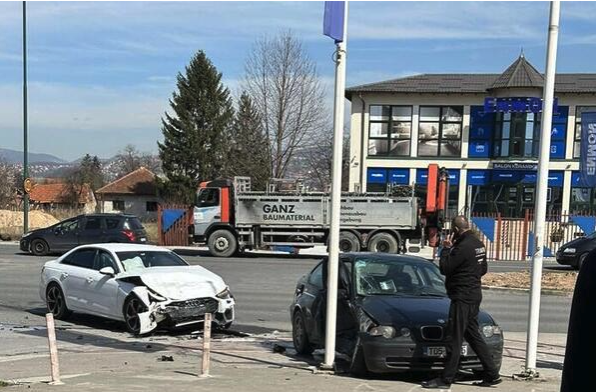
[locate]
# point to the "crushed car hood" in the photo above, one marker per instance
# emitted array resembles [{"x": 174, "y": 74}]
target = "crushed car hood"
[
  {"x": 411, "y": 311},
  {"x": 179, "y": 283}
]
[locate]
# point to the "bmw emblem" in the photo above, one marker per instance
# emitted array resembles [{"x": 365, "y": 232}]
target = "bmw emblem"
[{"x": 441, "y": 321}]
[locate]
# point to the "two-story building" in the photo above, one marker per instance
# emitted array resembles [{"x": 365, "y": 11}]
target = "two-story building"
[{"x": 484, "y": 128}]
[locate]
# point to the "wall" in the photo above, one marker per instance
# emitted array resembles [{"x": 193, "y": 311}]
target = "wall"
[{"x": 135, "y": 205}]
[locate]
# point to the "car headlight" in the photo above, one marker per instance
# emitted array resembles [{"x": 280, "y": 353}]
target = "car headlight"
[
  {"x": 569, "y": 250},
  {"x": 491, "y": 330},
  {"x": 225, "y": 294},
  {"x": 382, "y": 330}
]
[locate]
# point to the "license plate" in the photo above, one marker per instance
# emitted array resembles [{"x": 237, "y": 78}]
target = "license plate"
[{"x": 441, "y": 352}]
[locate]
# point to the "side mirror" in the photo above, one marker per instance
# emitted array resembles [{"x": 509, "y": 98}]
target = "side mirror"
[{"x": 107, "y": 271}]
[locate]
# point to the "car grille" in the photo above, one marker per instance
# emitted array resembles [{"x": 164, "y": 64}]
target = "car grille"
[
  {"x": 431, "y": 332},
  {"x": 206, "y": 305}
]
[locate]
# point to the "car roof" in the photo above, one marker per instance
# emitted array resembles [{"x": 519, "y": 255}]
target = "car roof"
[
  {"x": 114, "y": 247},
  {"x": 112, "y": 215},
  {"x": 388, "y": 257}
]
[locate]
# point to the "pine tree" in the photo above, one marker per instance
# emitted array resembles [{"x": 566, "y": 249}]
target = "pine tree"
[
  {"x": 250, "y": 153},
  {"x": 196, "y": 136}
]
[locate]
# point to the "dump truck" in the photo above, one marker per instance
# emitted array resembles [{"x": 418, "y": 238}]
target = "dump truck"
[{"x": 230, "y": 217}]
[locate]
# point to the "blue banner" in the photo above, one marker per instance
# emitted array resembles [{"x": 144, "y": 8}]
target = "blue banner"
[
  {"x": 333, "y": 25},
  {"x": 587, "y": 158}
]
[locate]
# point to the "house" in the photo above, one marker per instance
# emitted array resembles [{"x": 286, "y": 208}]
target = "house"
[
  {"x": 135, "y": 193},
  {"x": 54, "y": 196},
  {"x": 483, "y": 128}
]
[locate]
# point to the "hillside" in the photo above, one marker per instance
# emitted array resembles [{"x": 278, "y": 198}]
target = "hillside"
[{"x": 13, "y": 156}]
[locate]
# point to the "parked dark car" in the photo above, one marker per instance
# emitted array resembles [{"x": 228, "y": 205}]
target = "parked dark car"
[
  {"x": 391, "y": 316},
  {"x": 575, "y": 252},
  {"x": 82, "y": 230}
]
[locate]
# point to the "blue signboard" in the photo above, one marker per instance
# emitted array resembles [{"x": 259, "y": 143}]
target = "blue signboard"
[
  {"x": 479, "y": 148},
  {"x": 516, "y": 105},
  {"x": 422, "y": 176},
  {"x": 576, "y": 180},
  {"x": 376, "y": 176},
  {"x": 399, "y": 176},
  {"x": 557, "y": 150},
  {"x": 587, "y": 157},
  {"x": 478, "y": 177}
]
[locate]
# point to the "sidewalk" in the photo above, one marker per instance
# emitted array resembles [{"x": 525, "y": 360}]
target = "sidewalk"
[{"x": 112, "y": 361}]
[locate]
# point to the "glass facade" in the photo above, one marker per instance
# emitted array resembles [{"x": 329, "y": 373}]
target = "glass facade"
[
  {"x": 439, "y": 131},
  {"x": 578, "y": 127},
  {"x": 390, "y": 130}
]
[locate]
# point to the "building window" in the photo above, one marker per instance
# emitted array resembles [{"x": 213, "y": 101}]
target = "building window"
[
  {"x": 118, "y": 205},
  {"x": 439, "y": 131},
  {"x": 516, "y": 135},
  {"x": 151, "y": 206},
  {"x": 390, "y": 130},
  {"x": 578, "y": 127},
  {"x": 583, "y": 199}
]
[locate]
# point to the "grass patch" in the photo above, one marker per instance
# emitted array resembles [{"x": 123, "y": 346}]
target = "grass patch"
[
  {"x": 5, "y": 384},
  {"x": 561, "y": 281}
]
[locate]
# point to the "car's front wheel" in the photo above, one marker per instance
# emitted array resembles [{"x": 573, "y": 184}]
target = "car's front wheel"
[
  {"x": 39, "y": 247},
  {"x": 56, "y": 302},
  {"x": 131, "y": 309},
  {"x": 299, "y": 336}
]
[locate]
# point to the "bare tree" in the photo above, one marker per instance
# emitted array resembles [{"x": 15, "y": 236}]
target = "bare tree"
[
  {"x": 8, "y": 186},
  {"x": 130, "y": 159},
  {"x": 318, "y": 161},
  {"x": 283, "y": 82}
]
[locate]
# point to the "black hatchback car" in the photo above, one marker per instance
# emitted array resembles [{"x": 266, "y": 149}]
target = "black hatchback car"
[
  {"x": 575, "y": 252},
  {"x": 82, "y": 230},
  {"x": 391, "y": 316}
]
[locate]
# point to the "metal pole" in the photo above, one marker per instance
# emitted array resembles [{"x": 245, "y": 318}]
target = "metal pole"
[
  {"x": 25, "y": 142},
  {"x": 541, "y": 193},
  {"x": 469, "y": 203},
  {"x": 206, "y": 362},
  {"x": 332, "y": 270},
  {"x": 54, "y": 365}
]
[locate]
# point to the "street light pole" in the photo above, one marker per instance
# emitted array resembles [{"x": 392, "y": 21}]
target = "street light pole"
[
  {"x": 333, "y": 263},
  {"x": 542, "y": 189},
  {"x": 25, "y": 141}
]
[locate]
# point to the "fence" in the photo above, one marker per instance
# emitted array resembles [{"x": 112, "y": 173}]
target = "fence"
[
  {"x": 513, "y": 238},
  {"x": 173, "y": 222}
]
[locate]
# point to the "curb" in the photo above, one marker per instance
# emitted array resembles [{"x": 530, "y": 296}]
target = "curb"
[{"x": 520, "y": 290}]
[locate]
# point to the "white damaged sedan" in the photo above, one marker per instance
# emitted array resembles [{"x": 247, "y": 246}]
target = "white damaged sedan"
[{"x": 142, "y": 285}]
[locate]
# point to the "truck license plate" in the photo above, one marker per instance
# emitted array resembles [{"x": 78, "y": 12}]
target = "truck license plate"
[{"x": 441, "y": 352}]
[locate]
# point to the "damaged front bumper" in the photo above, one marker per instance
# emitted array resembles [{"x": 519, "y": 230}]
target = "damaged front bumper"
[{"x": 180, "y": 313}]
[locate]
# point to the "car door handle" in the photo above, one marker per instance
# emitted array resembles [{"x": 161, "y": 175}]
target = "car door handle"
[{"x": 90, "y": 280}]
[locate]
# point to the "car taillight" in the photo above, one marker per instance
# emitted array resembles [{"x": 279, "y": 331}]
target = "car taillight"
[{"x": 129, "y": 234}]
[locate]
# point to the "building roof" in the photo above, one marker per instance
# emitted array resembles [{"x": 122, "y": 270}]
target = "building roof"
[
  {"x": 519, "y": 74},
  {"x": 138, "y": 182},
  {"x": 58, "y": 193}
]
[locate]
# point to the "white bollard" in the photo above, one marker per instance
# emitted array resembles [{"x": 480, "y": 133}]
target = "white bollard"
[
  {"x": 54, "y": 367},
  {"x": 206, "y": 362}
]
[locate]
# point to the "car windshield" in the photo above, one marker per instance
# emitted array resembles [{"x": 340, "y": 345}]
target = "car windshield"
[
  {"x": 390, "y": 276},
  {"x": 134, "y": 260}
]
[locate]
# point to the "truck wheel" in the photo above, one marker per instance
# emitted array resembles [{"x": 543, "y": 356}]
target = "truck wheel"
[
  {"x": 383, "y": 243},
  {"x": 222, "y": 243},
  {"x": 348, "y": 242}
]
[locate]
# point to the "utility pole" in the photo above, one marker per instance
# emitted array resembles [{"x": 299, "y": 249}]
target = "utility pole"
[
  {"x": 333, "y": 263},
  {"x": 542, "y": 188},
  {"x": 25, "y": 141}
]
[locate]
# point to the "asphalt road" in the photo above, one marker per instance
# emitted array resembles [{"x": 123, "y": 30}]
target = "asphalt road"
[{"x": 263, "y": 286}]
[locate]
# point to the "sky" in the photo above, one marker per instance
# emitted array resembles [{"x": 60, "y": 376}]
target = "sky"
[{"x": 101, "y": 73}]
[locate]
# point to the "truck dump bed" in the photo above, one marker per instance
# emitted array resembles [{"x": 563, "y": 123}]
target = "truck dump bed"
[{"x": 361, "y": 211}]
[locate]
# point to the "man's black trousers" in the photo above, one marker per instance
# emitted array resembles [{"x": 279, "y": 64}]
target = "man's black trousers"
[{"x": 463, "y": 323}]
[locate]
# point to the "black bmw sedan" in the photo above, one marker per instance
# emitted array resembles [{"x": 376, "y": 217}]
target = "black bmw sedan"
[
  {"x": 392, "y": 315},
  {"x": 575, "y": 252}
]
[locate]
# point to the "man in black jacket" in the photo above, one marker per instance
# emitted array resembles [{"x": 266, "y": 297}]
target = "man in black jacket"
[{"x": 463, "y": 262}]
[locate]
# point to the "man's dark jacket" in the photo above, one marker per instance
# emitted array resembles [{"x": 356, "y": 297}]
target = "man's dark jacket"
[{"x": 463, "y": 265}]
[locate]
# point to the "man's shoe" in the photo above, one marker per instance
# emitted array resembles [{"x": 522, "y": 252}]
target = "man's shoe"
[
  {"x": 436, "y": 383},
  {"x": 489, "y": 383}
]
